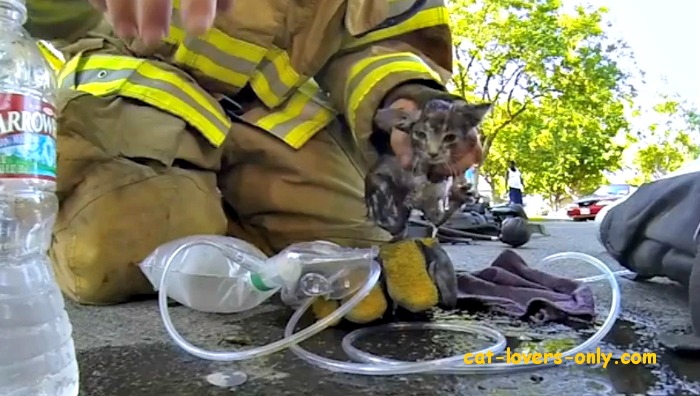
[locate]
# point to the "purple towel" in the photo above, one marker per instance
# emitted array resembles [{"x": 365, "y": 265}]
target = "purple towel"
[{"x": 510, "y": 287}]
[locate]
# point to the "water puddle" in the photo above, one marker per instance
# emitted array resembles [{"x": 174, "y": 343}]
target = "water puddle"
[
  {"x": 672, "y": 374},
  {"x": 668, "y": 375}
]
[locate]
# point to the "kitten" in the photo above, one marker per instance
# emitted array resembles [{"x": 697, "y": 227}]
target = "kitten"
[{"x": 391, "y": 192}]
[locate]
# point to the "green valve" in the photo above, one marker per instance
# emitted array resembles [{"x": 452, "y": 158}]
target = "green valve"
[{"x": 258, "y": 283}]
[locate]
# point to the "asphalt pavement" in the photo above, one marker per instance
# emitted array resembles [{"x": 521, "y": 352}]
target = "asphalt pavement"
[{"x": 124, "y": 350}]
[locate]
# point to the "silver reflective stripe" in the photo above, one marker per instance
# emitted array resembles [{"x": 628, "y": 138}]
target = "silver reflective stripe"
[
  {"x": 277, "y": 87},
  {"x": 132, "y": 76},
  {"x": 397, "y": 7},
  {"x": 275, "y": 78},
  {"x": 302, "y": 115},
  {"x": 310, "y": 110},
  {"x": 198, "y": 47},
  {"x": 68, "y": 82}
]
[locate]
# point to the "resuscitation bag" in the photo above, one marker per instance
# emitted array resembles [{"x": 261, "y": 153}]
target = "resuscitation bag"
[
  {"x": 221, "y": 274},
  {"x": 203, "y": 278}
]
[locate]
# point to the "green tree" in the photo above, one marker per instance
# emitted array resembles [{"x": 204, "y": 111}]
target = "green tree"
[
  {"x": 559, "y": 154},
  {"x": 558, "y": 91},
  {"x": 668, "y": 143}
]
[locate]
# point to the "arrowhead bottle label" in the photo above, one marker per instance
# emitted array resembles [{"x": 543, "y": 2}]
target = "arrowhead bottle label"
[{"x": 27, "y": 138}]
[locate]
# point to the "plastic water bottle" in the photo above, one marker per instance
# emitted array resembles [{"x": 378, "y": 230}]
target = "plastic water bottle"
[{"x": 38, "y": 355}]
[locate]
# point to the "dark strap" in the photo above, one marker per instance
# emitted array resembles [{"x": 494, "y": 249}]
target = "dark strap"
[{"x": 397, "y": 19}]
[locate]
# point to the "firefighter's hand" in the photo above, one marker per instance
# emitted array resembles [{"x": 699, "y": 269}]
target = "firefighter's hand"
[
  {"x": 150, "y": 19},
  {"x": 417, "y": 275}
]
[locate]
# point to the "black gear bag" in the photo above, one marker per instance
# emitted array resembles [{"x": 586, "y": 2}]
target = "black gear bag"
[{"x": 654, "y": 232}]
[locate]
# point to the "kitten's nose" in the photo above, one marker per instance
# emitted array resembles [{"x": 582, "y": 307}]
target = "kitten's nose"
[{"x": 433, "y": 155}]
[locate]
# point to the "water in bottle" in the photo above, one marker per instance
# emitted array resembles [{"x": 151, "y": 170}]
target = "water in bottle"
[
  {"x": 213, "y": 273},
  {"x": 38, "y": 355}
]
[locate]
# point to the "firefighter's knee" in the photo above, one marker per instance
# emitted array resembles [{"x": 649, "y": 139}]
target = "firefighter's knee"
[{"x": 117, "y": 215}]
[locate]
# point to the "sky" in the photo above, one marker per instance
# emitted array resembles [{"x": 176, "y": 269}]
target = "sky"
[{"x": 665, "y": 38}]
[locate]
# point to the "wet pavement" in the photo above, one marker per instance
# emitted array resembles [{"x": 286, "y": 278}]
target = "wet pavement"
[{"x": 125, "y": 351}]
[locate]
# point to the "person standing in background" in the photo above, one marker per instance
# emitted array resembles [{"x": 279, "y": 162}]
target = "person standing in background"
[{"x": 515, "y": 184}]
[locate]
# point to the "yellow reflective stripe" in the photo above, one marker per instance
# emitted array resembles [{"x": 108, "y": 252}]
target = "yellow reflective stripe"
[
  {"x": 152, "y": 71},
  {"x": 215, "y": 54},
  {"x": 176, "y": 35},
  {"x": 283, "y": 66},
  {"x": 235, "y": 62},
  {"x": 367, "y": 73},
  {"x": 304, "y": 114},
  {"x": 68, "y": 70},
  {"x": 434, "y": 13},
  {"x": 143, "y": 80},
  {"x": 307, "y": 129},
  {"x": 274, "y": 78},
  {"x": 51, "y": 54}
]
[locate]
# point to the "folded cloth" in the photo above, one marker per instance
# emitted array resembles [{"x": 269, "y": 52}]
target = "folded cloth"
[{"x": 512, "y": 288}]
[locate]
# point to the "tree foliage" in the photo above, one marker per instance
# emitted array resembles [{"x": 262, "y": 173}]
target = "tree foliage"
[
  {"x": 667, "y": 142},
  {"x": 558, "y": 91}
]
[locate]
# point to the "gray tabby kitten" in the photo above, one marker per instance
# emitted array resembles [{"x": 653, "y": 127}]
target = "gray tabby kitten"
[{"x": 391, "y": 192}]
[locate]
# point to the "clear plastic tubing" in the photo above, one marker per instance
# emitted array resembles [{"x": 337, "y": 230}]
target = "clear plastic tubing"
[
  {"x": 276, "y": 346},
  {"x": 376, "y": 365}
]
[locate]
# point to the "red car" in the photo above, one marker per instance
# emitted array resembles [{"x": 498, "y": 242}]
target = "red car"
[{"x": 588, "y": 207}]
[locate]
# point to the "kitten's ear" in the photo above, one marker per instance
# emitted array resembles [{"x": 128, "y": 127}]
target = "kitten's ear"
[
  {"x": 476, "y": 112},
  {"x": 481, "y": 110},
  {"x": 388, "y": 119}
]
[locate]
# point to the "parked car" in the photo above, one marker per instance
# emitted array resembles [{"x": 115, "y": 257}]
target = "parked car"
[{"x": 587, "y": 208}]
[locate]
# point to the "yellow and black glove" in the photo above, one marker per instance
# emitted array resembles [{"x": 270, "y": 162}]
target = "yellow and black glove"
[{"x": 417, "y": 275}]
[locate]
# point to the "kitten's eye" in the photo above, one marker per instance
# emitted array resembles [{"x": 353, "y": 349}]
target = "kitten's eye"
[
  {"x": 449, "y": 138},
  {"x": 421, "y": 135}
]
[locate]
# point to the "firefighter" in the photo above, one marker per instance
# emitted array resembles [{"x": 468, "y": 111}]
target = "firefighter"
[{"x": 240, "y": 118}]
